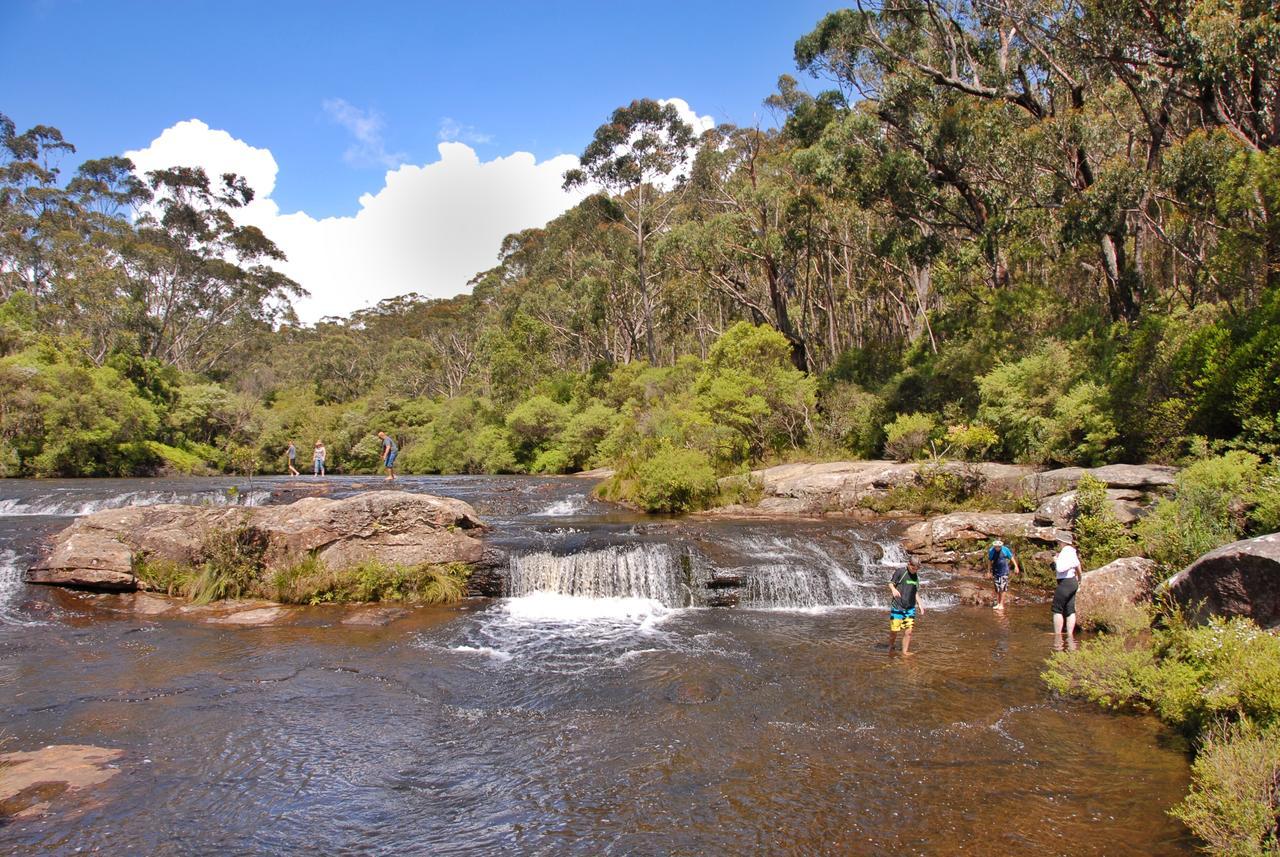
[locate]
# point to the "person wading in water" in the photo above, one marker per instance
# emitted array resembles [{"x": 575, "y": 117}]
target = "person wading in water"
[{"x": 904, "y": 584}]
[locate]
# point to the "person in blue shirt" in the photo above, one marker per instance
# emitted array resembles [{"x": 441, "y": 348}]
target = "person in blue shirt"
[
  {"x": 1001, "y": 559},
  {"x": 389, "y": 452}
]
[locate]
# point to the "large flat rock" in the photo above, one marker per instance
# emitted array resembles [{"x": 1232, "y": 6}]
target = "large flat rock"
[
  {"x": 1137, "y": 477},
  {"x": 98, "y": 551},
  {"x": 936, "y": 532},
  {"x": 1239, "y": 579}
]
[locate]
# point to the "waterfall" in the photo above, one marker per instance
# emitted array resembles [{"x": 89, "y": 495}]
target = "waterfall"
[
  {"x": 789, "y": 573},
  {"x": 650, "y": 572},
  {"x": 71, "y": 506}
]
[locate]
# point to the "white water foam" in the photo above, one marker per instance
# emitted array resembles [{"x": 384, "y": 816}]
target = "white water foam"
[
  {"x": 558, "y": 608},
  {"x": 568, "y": 506},
  {"x": 11, "y": 586},
  {"x": 71, "y": 507},
  {"x": 488, "y": 651}
]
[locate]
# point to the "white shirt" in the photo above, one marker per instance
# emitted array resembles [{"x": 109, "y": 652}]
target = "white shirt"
[{"x": 1066, "y": 563}]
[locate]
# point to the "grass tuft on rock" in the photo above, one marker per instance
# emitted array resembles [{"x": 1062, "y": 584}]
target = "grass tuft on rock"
[
  {"x": 311, "y": 582},
  {"x": 232, "y": 566}
]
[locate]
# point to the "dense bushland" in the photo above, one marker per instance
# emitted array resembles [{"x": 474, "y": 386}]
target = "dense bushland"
[{"x": 991, "y": 234}]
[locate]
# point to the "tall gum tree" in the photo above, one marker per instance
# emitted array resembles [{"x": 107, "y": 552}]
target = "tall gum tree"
[{"x": 641, "y": 146}]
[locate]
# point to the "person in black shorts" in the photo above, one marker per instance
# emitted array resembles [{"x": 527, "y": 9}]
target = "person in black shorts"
[
  {"x": 1066, "y": 568},
  {"x": 904, "y": 585}
]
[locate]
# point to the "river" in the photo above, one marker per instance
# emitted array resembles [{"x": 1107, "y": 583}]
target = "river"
[{"x": 601, "y": 708}]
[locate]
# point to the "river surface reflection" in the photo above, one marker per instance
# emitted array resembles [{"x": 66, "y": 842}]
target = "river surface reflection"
[{"x": 552, "y": 724}]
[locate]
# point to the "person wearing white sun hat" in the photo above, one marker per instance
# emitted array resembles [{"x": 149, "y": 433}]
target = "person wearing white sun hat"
[{"x": 1001, "y": 559}]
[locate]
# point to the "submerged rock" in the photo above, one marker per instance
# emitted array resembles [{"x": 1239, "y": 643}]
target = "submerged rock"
[
  {"x": 29, "y": 781},
  {"x": 98, "y": 551},
  {"x": 1239, "y": 579}
]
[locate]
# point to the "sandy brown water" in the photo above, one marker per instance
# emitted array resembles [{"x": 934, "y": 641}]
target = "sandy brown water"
[{"x": 551, "y": 725}]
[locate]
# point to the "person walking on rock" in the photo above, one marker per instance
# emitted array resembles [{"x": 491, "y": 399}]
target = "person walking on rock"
[
  {"x": 389, "y": 453},
  {"x": 1066, "y": 568},
  {"x": 291, "y": 454},
  {"x": 904, "y": 585},
  {"x": 318, "y": 456},
  {"x": 1001, "y": 558}
]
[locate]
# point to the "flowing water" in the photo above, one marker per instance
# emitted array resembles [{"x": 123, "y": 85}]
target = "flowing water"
[{"x": 601, "y": 707}]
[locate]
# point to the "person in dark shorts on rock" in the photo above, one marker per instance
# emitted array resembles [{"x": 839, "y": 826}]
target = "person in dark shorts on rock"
[
  {"x": 389, "y": 453},
  {"x": 1066, "y": 568},
  {"x": 904, "y": 585},
  {"x": 1001, "y": 559},
  {"x": 291, "y": 454}
]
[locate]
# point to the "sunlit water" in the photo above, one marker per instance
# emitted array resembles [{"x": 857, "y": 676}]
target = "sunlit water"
[{"x": 599, "y": 709}]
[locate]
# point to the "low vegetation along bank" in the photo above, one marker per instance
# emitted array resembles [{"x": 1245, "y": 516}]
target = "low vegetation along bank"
[
  {"x": 1217, "y": 683},
  {"x": 232, "y": 566}
]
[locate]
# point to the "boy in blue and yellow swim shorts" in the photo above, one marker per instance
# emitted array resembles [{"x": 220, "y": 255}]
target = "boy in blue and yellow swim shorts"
[{"x": 904, "y": 584}]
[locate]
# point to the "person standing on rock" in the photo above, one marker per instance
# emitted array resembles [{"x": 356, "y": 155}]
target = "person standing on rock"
[
  {"x": 389, "y": 453},
  {"x": 318, "y": 456},
  {"x": 291, "y": 455},
  {"x": 1066, "y": 568},
  {"x": 1001, "y": 558},
  {"x": 904, "y": 585}
]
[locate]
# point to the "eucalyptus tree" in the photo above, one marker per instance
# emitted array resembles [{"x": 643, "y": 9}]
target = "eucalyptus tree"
[
  {"x": 1022, "y": 55},
  {"x": 207, "y": 282},
  {"x": 642, "y": 146}
]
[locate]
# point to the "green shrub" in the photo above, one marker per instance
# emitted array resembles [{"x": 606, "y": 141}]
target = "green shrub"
[
  {"x": 1190, "y": 677},
  {"x": 178, "y": 460},
  {"x": 853, "y": 419},
  {"x": 972, "y": 442},
  {"x": 1234, "y": 800},
  {"x": 534, "y": 423},
  {"x": 550, "y": 461},
  {"x": 1045, "y": 411},
  {"x": 310, "y": 582},
  {"x": 1112, "y": 671},
  {"x": 908, "y": 436},
  {"x": 1100, "y": 537},
  {"x": 1209, "y": 509},
  {"x": 675, "y": 480}
]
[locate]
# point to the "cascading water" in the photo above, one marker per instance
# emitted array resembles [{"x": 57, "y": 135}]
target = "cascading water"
[
  {"x": 71, "y": 506},
  {"x": 650, "y": 572}
]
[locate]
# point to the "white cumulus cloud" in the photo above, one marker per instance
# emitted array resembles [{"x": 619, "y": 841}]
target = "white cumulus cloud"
[{"x": 429, "y": 229}]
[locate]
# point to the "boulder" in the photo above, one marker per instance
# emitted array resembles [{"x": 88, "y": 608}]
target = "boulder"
[
  {"x": 1124, "y": 582},
  {"x": 809, "y": 489},
  {"x": 1060, "y": 509},
  {"x": 393, "y": 527},
  {"x": 1239, "y": 579},
  {"x": 1138, "y": 477},
  {"x": 975, "y": 527}
]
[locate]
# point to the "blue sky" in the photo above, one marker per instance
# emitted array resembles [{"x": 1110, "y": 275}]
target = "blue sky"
[{"x": 340, "y": 92}]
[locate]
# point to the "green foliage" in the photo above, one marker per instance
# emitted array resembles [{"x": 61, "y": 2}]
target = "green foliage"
[
  {"x": 1100, "y": 537},
  {"x": 1043, "y": 412},
  {"x": 311, "y": 582},
  {"x": 1233, "y": 803},
  {"x": 853, "y": 419},
  {"x": 972, "y": 442},
  {"x": 1189, "y": 676},
  {"x": 177, "y": 460},
  {"x": 1210, "y": 508},
  {"x": 908, "y": 436},
  {"x": 674, "y": 480}
]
